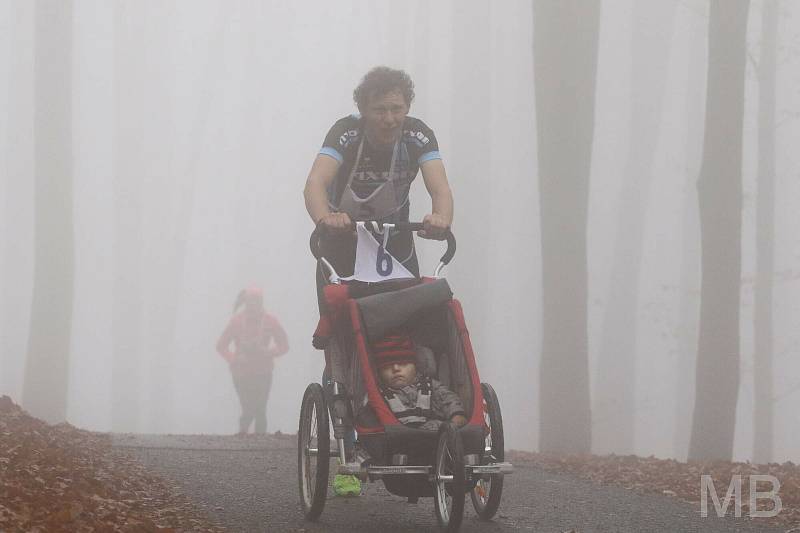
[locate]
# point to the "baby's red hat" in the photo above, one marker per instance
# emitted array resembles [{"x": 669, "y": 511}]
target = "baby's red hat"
[{"x": 394, "y": 348}]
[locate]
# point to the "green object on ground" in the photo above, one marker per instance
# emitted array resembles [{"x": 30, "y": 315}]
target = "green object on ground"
[{"x": 346, "y": 485}]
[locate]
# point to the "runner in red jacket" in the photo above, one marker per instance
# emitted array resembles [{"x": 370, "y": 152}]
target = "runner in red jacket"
[{"x": 258, "y": 338}]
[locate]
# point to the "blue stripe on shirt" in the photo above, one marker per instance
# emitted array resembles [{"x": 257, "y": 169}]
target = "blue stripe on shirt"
[
  {"x": 327, "y": 150},
  {"x": 429, "y": 156}
]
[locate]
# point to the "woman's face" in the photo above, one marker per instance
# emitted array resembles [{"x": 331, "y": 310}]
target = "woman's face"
[{"x": 384, "y": 116}]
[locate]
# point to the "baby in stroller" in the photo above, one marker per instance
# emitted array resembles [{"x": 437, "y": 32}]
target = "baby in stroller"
[{"x": 416, "y": 399}]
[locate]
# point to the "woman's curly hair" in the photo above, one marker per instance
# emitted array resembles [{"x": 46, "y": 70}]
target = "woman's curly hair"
[{"x": 382, "y": 80}]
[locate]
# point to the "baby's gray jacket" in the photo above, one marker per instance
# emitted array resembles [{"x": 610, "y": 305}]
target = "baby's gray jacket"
[{"x": 444, "y": 403}]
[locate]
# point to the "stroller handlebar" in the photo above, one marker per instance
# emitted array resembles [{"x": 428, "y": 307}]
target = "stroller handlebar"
[{"x": 320, "y": 231}]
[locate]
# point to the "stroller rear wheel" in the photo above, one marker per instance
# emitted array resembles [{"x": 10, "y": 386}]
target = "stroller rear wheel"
[
  {"x": 449, "y": 479},
  {"x": 313, "y": 452},
  {"x": 489, "y": 489}
]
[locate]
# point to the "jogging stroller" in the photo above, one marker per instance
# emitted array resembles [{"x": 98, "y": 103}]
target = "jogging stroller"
[{"x": 411, "y": 462}]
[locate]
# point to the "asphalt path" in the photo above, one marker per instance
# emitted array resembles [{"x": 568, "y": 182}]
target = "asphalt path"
[{"x": 249, "y": 484}]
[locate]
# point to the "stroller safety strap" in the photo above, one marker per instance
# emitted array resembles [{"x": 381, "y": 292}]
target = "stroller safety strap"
[{"x": 417, "y": 415}]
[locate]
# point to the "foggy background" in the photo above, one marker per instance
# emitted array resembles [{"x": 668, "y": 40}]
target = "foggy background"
[{"x": 193, "y": 127}]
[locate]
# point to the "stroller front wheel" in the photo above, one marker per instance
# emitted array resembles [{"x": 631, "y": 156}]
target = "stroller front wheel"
[
  {"x": 313, "y": 452},
  {"x": 489, "y": 489},
  {"x": 450, "y": 479}
]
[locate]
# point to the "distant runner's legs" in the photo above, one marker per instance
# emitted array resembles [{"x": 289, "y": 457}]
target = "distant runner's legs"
[
  {"x": 261, "y": 387},
  {"x": 240, "y": 382}
]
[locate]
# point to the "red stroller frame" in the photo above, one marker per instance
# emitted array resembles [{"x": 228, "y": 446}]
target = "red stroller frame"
[{"x": 411, "y": 462}]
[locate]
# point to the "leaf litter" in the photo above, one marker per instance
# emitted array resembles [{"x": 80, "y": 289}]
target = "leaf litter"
[
  {"x": 681, "y": 480},
  {"x": 63, "y": 479}
]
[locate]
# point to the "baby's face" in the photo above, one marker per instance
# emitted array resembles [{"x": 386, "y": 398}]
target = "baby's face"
[{"x": 398, "y": 375}]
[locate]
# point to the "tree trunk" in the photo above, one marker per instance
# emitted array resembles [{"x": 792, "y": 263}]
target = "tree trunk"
[
  {"x": 689, "y": 284},
  {"x": 422, "y": 37},
  {"x": 126, "y": 314},
  {"x": 469, "y": 162},
  {"x": 188, "y": 160},
  {"x": 616, "y": 379},
  {"x": 47, "y": 365},
  {"x": 6, "y": 360},
  {"x": 720, "y": 198},
  {"x": 17, "y": 197},
  {"x": 249, "y": 168},
  {"x": 765, "y": 238},
  {"x": 565, "y": 62}
]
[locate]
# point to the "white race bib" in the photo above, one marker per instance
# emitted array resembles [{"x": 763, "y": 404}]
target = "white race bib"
[{"x": 373, "y": 262}]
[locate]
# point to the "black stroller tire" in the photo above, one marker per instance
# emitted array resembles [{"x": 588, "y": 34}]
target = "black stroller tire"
[
  {"x": 449, "y": 479},
  {"x": 489, "y": 489},
  {"x": 313, "y": 433}
]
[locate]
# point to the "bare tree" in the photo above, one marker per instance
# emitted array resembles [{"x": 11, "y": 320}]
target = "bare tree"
[
  {"x": 16, "y": 199},
  {"x": 565, "y": 63},
  {"x": 420, "y": 38},
  {"x": 254, "y": 161},
  {"x": 126, "y": 314},
  {"x": 616, "y": 379},
  {"x": 763, "y": 415},
  {"x": 720, "y": 197},
  {"x": 689, "y": 285},
  {"x": 160, "y": 343},
  {"x": 6, "y": 45},
  {"x": 47, "y": 366},
  {"x": 6, "y": 360},
  {"x": 470, "y": 160}
]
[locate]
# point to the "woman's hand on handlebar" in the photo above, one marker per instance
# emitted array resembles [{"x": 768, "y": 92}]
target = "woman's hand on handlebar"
[
  {"x": 436, "y": 227},
  {"x": 335, "y": 222}
]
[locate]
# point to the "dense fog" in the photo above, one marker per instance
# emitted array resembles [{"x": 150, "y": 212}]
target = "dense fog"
[{"x": 191, "y": 131}]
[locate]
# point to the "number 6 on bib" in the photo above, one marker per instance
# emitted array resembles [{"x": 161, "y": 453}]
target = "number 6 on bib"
[
  {"x": 373, "y": 263},
  {"x": 384, "y": 262}
]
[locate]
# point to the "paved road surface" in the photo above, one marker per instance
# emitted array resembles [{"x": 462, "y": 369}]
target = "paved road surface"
[{"x": 249, "y": 484}]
